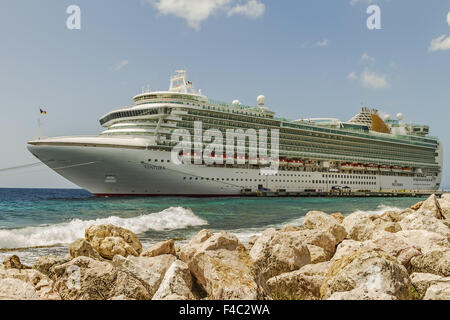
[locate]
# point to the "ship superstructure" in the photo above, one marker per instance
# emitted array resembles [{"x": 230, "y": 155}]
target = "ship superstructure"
[{"x": 133, "y": 155}]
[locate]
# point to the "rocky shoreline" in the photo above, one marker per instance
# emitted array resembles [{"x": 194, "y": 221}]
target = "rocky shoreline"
[{"x": 394, "y": 256}]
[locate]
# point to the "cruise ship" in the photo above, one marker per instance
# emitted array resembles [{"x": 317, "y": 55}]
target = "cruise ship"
[{"x": 134, "y": 155}]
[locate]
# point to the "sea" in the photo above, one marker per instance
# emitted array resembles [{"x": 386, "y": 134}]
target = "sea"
[{"x": 36, "y": 222}]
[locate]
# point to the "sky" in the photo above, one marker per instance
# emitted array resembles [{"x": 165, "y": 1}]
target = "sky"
[{"x": 310, "y": 58}]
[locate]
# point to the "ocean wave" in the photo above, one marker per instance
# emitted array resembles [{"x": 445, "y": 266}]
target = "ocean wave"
[
  {"x": 64, "y": 233},
  {"x": 379, "y": 210}
]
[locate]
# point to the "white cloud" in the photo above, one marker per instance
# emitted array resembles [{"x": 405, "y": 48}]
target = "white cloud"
[
  {"x": 197, "y": 11},
  {"x": 373, "y": 80},
  {"x": 322, "y": 43},
  {"x": 352, "y": 76},
  {"x": 122, "y": 64},
  {"x": 370, "y": 79},
  {"x": 366, "y": 58},
  {"x": 253, "y": 9},
  {"x": 354, "y": 2},
  {"x": 440, "y": 43}
]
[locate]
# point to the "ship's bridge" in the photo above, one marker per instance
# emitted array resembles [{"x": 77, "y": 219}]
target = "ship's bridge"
[
  {"x": 166, "y": 96},
  {"x": 180, "y": 89}
]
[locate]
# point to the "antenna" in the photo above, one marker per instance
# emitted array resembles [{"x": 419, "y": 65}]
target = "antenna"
[{"x": 39, "y": 129}]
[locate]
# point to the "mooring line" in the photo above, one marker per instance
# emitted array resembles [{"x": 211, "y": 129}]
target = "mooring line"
[
  {"x": 22, "y": 167},
  {"x": 3, "y": 171}
]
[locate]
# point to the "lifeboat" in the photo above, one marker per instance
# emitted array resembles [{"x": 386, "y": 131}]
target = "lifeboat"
[
  {"x": 264, "y": 160},
  {"x": 208, "y": 158},
  {"x": 346, "y": 166},
  {"x": 283, "y": 162},
  {"x": 372, "y": 167},
  {"x": 358, "y": 166},
  {"x": 240, "y": 159},
  {"x": 385, "y": 168},
  {"x": 406, "y": 169},
  {"x": 196, "y": 156},
  {"x": 309, "y": 163},
  {"x": 397, "y": 169},
  {"x": 295, "y": 163}
]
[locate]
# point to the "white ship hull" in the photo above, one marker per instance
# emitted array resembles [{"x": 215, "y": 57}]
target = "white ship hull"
[{"x": 134, "y": 170}]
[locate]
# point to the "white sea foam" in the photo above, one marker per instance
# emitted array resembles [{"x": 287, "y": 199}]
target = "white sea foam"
[
  {"x": 244, "y": 235},
  {"x": 63, "y": 233},
  {"x": 380, "y": 210}
]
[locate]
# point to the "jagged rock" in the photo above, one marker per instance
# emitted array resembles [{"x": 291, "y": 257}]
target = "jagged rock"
[
  {"x": 417, "y": 206},
  {"x": 150, "y": 271},
  {"x": 318, "y": 254},
  {"x": 187, "y": 252},
  {"x": 177, "y": 283},
  {"x": 427, "y": 241},
  {"x": 347, "y": 247},
  {"x": 439, "y": 290},
  {"x": 160, "y": 248},
  {"x": 109, "y": 240},
  {"x": 221, "y": 266},
  {"x": 45, "y": 264},
  {"x": 361, "y": 293},
  {"x": 84, "y": 278},
  {"x": 367, "y": 269},
  {"x": 26, "y": 284},
  {"x": 320, "y": 238},
  {"x": 338, "y": 216},
  {"x": 395, "y": 216},
  {"x": 291, "y": 228},
  {"x": 13, "y": 262},
  {"x": 82, "y": 248},
  {"x": 111, "y": 246},
  {"x": 388, "y": 226},
  {"x": 121, "y": 298},
  {"x": 251, "y": 242},
  {"x": 384, "y": 241},
  {"x": 303, "y": 284},
  {"x": 422, "y": 281},
  {"x": 317, "y": 220},
  {"x": 444, "y": 203},
  {"x": 435, "y": 262},
  {"x": 418, "y": 221},
  {"x": 394, "y": 246},
  {"x": 129, "y": 286},
  {"x": 431, "y": 208},
  {"x": 277, "y": 252},
  {"x": 15, "y": 289},
  {"x": 359, "y": 226},
  {"x": 362, "y": 226}
]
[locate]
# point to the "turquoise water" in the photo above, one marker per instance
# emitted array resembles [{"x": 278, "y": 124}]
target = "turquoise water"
[{"x": 40, "y": 217}]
